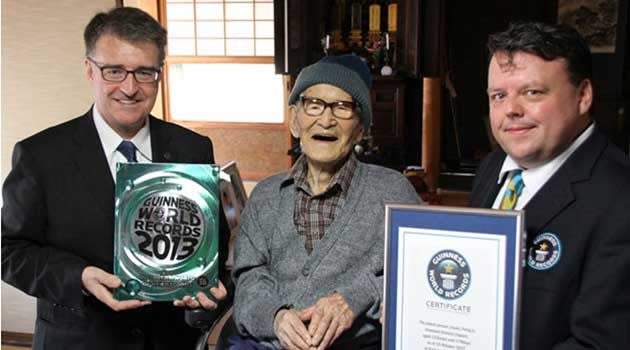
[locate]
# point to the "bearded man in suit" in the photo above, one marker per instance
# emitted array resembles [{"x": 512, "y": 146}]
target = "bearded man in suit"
[
  {"x": 572, "y": 183},
  {"x": 58, "y": 200}
]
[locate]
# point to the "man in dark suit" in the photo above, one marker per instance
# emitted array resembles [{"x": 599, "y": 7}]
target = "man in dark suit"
[
  {"x": 572, "y": 183},
  {"x": 58, "y": 200}
]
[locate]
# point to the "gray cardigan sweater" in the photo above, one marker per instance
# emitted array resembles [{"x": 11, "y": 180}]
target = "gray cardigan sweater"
[{"x": 272, "y": 268}]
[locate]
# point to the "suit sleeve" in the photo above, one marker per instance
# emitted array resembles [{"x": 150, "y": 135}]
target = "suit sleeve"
[
  {"x": 29, "y": 262},
  {"x": 600, "y": 315},
  {"x": 210, "y": 150}
]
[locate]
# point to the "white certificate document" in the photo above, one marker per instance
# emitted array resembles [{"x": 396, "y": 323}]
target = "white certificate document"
[{"x": 450, "y": 290}]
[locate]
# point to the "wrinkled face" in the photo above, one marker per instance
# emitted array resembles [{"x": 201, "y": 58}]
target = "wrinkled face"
[
  {"x": 535, "y": 110},
  {"x": 325, "y": 140},
  {"x": 124, "y": 105}
]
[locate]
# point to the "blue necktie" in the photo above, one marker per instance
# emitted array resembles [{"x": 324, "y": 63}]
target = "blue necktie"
[{"x": 128, "y": 149}]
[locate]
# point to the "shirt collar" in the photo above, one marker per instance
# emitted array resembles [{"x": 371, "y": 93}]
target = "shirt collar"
[
  {"x": 343, "y": 177},
  {"x": 110, "y": 139},
  {"x": 542, "y": 173}
]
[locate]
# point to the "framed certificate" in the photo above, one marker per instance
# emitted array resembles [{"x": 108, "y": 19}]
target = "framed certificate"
[{"x": 452, "y": 278}]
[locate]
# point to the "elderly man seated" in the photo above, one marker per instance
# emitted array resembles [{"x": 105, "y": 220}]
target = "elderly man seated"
[{"x": 309, "y": 254}]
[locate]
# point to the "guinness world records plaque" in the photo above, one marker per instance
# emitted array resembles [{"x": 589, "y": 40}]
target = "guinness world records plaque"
[
  {"x": 452, "y": 278},
  {"x": 166, "y": 230}
]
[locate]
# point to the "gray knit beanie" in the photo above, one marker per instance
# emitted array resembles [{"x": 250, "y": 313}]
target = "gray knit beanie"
[{"x": 347, "y": 72}]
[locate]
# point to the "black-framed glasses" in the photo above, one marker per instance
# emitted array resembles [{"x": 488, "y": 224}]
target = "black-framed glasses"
[
  {"x": 118, "y": 74},
  {"x": 315, "y": 107}
]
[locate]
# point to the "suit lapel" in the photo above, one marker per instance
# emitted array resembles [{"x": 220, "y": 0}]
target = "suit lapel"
[
  {"x": 160, "y": 142},
  {"x": 550, "y": 200},
  {"x": 92, "y": 164},
  {"x": 492, "y": 188},
  {"x": 557, "y": 193},
  {"x": 488, "y": 189}
]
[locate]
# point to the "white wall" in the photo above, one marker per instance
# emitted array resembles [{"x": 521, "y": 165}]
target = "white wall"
[{"x": 43, "y": 84}]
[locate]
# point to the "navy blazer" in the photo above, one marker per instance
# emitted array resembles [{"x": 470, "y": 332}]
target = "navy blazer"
[
  {"x": 58, "y": 218},
  {"x": 581, "y": 299}
]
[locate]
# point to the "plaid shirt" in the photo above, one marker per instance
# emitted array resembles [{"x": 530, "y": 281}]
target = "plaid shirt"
[{"x": 313, "y": 214}]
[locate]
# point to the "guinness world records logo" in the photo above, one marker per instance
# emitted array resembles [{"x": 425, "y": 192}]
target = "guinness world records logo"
[
  {"x": 167, "y": 222},
  {"x": 448, "y": 274},
  {"x": 545, "y": 251}
]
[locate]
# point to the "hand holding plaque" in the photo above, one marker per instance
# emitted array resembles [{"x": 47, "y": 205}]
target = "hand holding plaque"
[{"x": 99, "y": 283}]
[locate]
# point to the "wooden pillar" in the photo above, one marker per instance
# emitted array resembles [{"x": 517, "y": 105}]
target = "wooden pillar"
[
  {"x": 288, "y": 82},
  {"x": 431, "y": 130}
]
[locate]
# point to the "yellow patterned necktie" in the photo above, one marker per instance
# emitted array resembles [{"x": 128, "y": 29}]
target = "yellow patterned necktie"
[{"x": 512, "y": 191}]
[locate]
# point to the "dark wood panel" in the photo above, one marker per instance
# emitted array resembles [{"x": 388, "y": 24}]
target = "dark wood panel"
[
  {"x": 17, "y": 339},
  {"x": 298, "y": 28},
  {"x": 388, "y": 111},
  {"x": 388, "y": 120}
]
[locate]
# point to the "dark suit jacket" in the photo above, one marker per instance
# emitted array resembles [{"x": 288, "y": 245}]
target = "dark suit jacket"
[
  {"x": 58, "y": 218},
  {"x": 582, "y": 302}
]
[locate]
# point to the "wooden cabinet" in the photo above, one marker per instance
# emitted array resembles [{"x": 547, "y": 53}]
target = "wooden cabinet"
[
  {"x": 299, "y": 26},
  {"x": 422, "y": 41},
  {"x": 388, "y": 110}
]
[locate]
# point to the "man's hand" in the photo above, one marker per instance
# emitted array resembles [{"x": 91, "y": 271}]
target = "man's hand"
[
  {"x": 98, "y": 283},
  {"x": 331, "y": 317},
  {"x": 291, "y": 331},
  {"x": 202, "y": 300}
]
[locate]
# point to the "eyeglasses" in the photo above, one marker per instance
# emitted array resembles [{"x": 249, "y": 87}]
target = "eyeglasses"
[
  {"x": 315, "y": 107},
  {"x": 117, "y": 74}
]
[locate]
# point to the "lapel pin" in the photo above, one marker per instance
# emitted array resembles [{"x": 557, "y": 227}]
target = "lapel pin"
[{"x": 545, "y": 251}]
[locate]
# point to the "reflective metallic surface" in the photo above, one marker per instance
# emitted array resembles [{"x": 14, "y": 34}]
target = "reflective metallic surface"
[{"x": 166, "y": 240}]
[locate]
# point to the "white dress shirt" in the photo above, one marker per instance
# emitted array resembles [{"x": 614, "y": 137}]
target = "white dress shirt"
[
  {"x": 110, "y": 141},
  {"x": 535, "y": 178}
]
